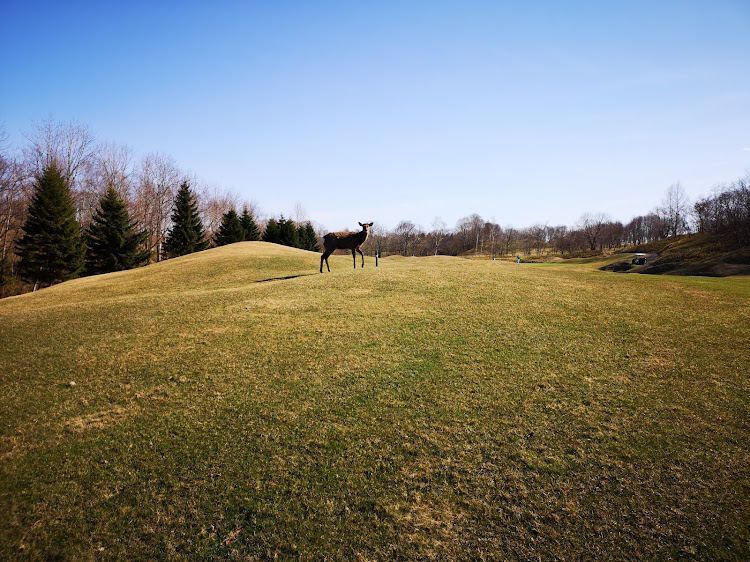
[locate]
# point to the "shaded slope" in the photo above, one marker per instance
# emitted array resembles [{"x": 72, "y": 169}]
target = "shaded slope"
[{"x": 709, "y": 255}]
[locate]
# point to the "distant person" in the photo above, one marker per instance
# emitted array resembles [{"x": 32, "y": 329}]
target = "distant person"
[{"x": 518, "y": 259}]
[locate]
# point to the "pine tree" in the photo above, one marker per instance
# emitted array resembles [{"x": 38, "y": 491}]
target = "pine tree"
[
  {"x": 252, "y": 234},
  {"x": 113, "y": 243},
  {"x": 51, "y": 249},
  {"x": 231, "y": 230},
  {"x": 288, "y": 233},
  {"x": 271, "y": 234},
  {"x": 186, "y": 235}
]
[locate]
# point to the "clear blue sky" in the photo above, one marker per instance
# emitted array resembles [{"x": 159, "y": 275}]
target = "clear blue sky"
[{"x": 523, "y": 112}]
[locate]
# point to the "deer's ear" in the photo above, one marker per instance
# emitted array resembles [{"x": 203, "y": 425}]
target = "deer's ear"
[
  {"x": 360, "y": 224},
  {"x": 372, "y": 223}
]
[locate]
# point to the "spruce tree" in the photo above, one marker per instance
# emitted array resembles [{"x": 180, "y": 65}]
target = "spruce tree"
[
  {"x": 271, "y": 234},
  {"x": 252, "y": 234},
  {"x": 311, "y": 238},
  {"x": 51, "y": 248},
  {"x": 288, "y": 233},
  {"x": 231, "y": 230},
  {"x": 112, "y": 240},
  {"x": 186, "y": 235},
  {"x": 302, "y": 237}
]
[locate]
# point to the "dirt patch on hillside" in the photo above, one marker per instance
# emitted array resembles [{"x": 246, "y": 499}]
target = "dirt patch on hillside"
[
  {"x": 715, "y": 269},
  {"x": 712, "y": 269},
  {"x": 619, "y": 267}
]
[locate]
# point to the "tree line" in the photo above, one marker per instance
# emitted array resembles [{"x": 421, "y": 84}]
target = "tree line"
[
  {"x": 70, "y": 206},
  {"x": 54, "y": 248},
  {"x": 120, "y": 213},
  {"x": 726, "y": 211}
]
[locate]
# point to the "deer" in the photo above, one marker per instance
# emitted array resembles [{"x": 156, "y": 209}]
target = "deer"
[{"x": 345, "y": 241}]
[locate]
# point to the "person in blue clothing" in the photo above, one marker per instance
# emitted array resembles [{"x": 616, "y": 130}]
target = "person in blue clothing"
[{"x": 518, "y": 259}]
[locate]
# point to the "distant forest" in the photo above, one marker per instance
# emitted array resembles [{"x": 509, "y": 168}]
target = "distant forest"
[{"x": 97, "y": 174}]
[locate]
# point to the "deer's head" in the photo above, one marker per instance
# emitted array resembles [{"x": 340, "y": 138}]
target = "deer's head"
[{"x": 366, "y": 226}]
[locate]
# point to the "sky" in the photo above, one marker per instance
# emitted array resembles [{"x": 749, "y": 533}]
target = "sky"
[{"x": 523, "y": 112}]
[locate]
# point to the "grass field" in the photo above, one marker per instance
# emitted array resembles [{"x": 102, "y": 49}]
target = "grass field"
[{"x": 235, "y": 404}]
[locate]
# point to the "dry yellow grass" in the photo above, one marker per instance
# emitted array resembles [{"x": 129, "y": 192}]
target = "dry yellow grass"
[{"x": 237, "y": 404}]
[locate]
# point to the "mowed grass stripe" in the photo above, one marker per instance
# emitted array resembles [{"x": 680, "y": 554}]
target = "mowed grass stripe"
[{"x": 429, "y": 408}]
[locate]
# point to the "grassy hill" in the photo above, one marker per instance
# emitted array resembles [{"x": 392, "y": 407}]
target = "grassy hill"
[
  {"x": 713, "y": 255},
  {"x": 236, "y": 404}
]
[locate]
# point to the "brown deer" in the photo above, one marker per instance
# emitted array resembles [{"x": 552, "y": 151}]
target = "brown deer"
[{"x": 345, "y": 241}]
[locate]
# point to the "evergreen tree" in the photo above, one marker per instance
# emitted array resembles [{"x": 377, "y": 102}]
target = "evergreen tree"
[
  {"x": 309, "y": 237},
  {"x": 113, "y": 243},
  {"x": 271, "y": 234},
  {"x": 252, "y": 234},
  {"x": 288, "y": 233},
  {"x": 302, "y": 237},
  {"x": 186, "y": 235},
  {"x": 231, "y": 230},
  {"x": 51, "y": 249}
]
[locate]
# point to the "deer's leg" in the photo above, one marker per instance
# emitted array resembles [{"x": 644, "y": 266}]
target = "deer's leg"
[
  {"x": 325, "y": 257},
  {"x": 354, "y": 257},
  {"x": 363, "y": 257}
]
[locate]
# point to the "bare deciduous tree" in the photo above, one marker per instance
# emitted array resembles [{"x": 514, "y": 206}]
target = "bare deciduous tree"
[
  {"x": 558, "y": 238},
  {"x": 494, "y": 232},
  {"x": 635, "y": 231},
  {"x": 509, "y": 236},
  {"x": 590, "y": 225},
  {"x": 214, "y": 202},
  {"x": 469, "y": 230},
  {"x": 674, "y": 209},
  {"x": 109, "y": 166},
  {"x": 378, "y": 236},
  {"x": 727, "y": 211},
  {"x": 406, "y": 233},
  {"x": 113, "y": 168},
  {"x": 477, "y": 224},
  {"x": 439, "y": 230},
  {"x": 72, "y": 147},
  {"x": 158, "y": 181},
  {"x": 13, "y": 203},
  {"x": 299, "y": 214},
  {"x": 69, "y": 145},
  {"x": 538, "y": 237}
]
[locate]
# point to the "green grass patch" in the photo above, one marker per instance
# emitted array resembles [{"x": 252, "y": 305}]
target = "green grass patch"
[{"x": 236, "y": 404}]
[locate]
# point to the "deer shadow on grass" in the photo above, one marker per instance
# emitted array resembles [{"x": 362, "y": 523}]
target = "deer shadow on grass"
[{"x": 283, "y": 278}]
